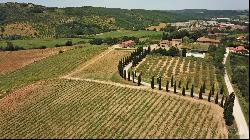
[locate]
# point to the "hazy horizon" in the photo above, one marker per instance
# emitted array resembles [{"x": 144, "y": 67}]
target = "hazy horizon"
[{"x": 145, "y": 4}]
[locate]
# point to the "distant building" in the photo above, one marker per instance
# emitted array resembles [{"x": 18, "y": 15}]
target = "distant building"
[
  {"x": 127, "y": 44},
  {"x": 239, "y": 49},
  {"x": 173, "y": 43},
  {"x": 195, "y": 54},
  {"x": 208, "y": 41}
]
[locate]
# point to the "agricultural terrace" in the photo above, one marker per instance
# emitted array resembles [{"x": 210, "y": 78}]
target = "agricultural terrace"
[
  {"x": 36, "y": 43},
  {"x": 13, "y": 60},
  {"x": 103, "y": 68},
  {"x": 195, "y": 70},
  {"x": 97, "y": 110},
  {"x": 129, "y": 33},
  {"x": 50, "y": 67}
]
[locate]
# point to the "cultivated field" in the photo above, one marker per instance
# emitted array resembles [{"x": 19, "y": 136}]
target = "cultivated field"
[
  {"x": 104, "y": 68},
  {"x": 183, "y": 69},
  {"x": 35, "y": 43},
  {"x": 79, "y": 109},
  {"x": 50, "y": 67},
  {"x": 13, "y": 60},
  {"x": 121, "y": 33}
]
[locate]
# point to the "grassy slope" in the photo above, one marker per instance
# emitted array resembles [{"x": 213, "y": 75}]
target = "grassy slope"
[
  {"x": 48, "y": 68},
  {"x": 31, "y": 43}
]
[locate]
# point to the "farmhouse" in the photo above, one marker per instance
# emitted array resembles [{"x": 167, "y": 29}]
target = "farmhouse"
[
  {"x": 174, "y": 42},
  {"x": 208, "y": 41},
  {"x": 127, "y": 44},
  {"x": 239, "y": 49}
]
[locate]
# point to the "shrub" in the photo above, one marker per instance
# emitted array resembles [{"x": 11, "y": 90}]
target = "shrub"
[{"x": 68, "y": 43}]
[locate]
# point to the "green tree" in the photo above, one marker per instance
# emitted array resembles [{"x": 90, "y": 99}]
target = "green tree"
[
  {"x": 221, "y": 102},
  {"x": 187, "y": 85},
  {"x": 159, "y": 82},
  {"x": 124, "y": 74},
  {"x": 221, "y": 90},
  {"x": 209, "y": 96},
  {"x": 228, "y": 109},
  {"x": 128, "y": 75},
  {"x": 204, "y": 87},
  {"x": 133, "y": 76},
  {"x": 139, "y": 79}
]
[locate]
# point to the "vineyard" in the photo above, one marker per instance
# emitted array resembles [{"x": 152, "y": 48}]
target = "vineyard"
[
  {"x": 196, "y": 71},
  {"x": 11, "y": 61},
  {"x": 79, "y": 109},
  {"x": 50, "y": 67},
  {"x": 104, "y": 68}
]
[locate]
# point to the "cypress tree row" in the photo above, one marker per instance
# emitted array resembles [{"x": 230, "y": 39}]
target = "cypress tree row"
[
  {"x": 159, "y": 82},
  {"x": 153, "y": 82},
  {"x": 200, "y": 93},
  {"x": 217, "y": 98},
  {"x": 172, "y": 81},
  {"x": 179, "y": 86},
  {"x": 175, "y": 87},
  {"x": 187, "y": 85},
  {"x": 192, "y": 91},
  {"x": 183, "y": 92},
  {"x": 221, "y": 102},
  {"x": 167, "y": 85},
  {"x": 228, "y": 109}
]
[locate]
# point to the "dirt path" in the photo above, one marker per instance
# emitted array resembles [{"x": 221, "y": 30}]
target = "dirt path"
[{"x": 237, "y": 112}]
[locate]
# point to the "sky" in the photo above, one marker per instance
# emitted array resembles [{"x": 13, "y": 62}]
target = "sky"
[{"x": 145, "y": 4}]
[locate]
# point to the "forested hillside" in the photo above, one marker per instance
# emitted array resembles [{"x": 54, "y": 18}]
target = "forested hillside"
[{"x": 46, "y": 22}]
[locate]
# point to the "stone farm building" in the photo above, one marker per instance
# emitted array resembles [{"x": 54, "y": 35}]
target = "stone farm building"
[
  {"x": 208, "y": 41},
  {"x": 239, "y": 49},
  {"x": 173, "y": 43},
  {"x": 127, "y": 44}
]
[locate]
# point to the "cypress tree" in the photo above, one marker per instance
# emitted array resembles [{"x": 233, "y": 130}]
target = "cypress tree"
[
  {"x": 192, "y": 91},
  {"x": 187, "y": 85},
  {"x": 226, "y": 101},
  {"x": 179, "y": 84},
  {"x": 124, "y": 74},
  {"x": 221, "y": 102},
  {"x": 217, "y": 98},
  {"x": 128, "y": 75},
  {"x": 212, "y": 90},
  {"x": 172, "y": 81},
  {"x": 209, "y": 96},
  {"x": 221, "y": 90},
  {"x": 183, "y": 92},
  {"x": 200, "y": 93},
  {"x": 159, "y": 83},
  {"x": 204, "y": 87},
  {"x": 175, "y": 87},
  {"x": 167, "y": 85},
  {"x": 139, "y": 79},
  {"x": 133, "y": 76},
  {"x": 152, "y": 82},
  {"x": 228, "y": 109}
]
